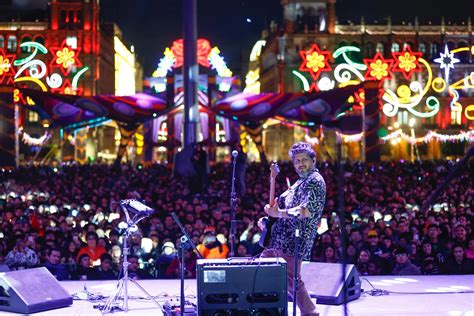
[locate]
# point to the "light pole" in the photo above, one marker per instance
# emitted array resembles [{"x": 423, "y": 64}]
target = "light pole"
[{"x": 411, "y": 124}]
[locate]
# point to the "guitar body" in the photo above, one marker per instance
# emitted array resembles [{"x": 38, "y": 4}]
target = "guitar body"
[{"x": 269, "y": 221}]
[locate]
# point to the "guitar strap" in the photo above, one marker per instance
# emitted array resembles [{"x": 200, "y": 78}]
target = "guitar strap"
[{"x": 292, "y": 189}]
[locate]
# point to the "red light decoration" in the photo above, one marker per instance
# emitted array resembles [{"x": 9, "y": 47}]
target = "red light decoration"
[
  {"x": 378, "y": 68},
  {"x": 67, "y": 88},
  {"x": 313, "y": 87},
  {"x": 407, "y": 62},
  {"x": 7, "y": 72},
  {"x": 315, "y": 61},
  {"x": 203, "y": 51},
  {"x": 64, "y": 58}
]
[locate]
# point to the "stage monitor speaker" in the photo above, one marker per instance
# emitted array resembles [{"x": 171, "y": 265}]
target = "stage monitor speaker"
[
  {"x": 242, "y": 286},
  {"x": 31, "y": 291},
  {"x": 324, "y": 281}
]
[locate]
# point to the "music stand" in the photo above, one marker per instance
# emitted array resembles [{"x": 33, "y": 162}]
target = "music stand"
[{"x": 138, "y": 211}]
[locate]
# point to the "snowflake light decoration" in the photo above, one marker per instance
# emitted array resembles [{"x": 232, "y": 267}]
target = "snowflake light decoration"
[{"x": 446, "y": 61}]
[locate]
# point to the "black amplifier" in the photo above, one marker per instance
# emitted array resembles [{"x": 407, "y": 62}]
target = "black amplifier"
[{"x": 242, "y": 286}]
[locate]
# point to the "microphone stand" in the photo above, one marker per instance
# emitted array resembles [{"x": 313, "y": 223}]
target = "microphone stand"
[
  {"x": 340, "y": 212},
  {"x": 233, "y": 200},
  {"x": 183, "y": 240},
  {"x": 122, "y": 285},
  {"x": 296, "y": 256}
]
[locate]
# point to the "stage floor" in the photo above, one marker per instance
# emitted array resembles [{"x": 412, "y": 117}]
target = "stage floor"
[{"x": 426, "y": 295}]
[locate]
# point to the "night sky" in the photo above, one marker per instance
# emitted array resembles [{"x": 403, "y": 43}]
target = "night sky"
[{"x": 152, "y": 25}]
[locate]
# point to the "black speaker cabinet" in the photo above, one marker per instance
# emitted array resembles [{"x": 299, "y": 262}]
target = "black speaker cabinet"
[
  {"x": 324, "y": 281},
  {"x": 242, "y": 286},
  {"x": 31, "y": 291}
]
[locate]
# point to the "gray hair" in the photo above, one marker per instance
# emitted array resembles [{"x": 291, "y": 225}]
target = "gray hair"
[{"x": 302, "y": 147}]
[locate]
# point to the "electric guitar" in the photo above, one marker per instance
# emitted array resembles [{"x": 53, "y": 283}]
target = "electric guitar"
[{"x": 269, "y": 221}]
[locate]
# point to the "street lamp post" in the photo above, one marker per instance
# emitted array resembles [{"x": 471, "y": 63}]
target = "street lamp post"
[{"x": 411, "y": 124}]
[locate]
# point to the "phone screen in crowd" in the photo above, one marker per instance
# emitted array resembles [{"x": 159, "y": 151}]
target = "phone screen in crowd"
[{"x": 323, "y": 226}]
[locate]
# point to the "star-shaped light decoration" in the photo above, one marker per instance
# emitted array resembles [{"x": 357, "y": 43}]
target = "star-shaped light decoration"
[
  {"x": 446, "y": 61},
  {"x": 64, "y": 58},
  {"x": 378, "y": 68},
  {"x": 407, "y": 62},
  {"x": 6, "y": 67},
  {"x": 315, "y": 61}
]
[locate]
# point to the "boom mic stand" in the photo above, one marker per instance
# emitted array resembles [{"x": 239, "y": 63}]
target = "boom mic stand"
[
  {"x": 140, "y": 211},
  {"x": 233, "y": 200},
  {"x": 183, "y": 240}
]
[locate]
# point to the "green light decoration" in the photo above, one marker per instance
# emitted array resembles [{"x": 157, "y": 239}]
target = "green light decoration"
[
  {"x": 303, "y": 80},
  {"x": 77, "y": 76},
  {"x": 382, "y": 132},
  {"x": 346, "y": 49},
  {"x": 36, "y": 46}
]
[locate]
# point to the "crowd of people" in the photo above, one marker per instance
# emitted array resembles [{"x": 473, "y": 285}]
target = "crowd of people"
[{"x": 68, "y": 218}]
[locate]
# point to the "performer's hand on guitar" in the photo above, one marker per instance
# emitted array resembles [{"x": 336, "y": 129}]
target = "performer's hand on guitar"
[
  {"x": 295, "y": 212},
  {"x": 273, "y": 209}
]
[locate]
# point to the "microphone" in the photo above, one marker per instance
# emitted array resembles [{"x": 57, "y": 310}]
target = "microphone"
[{"x": 235, "y": 153}]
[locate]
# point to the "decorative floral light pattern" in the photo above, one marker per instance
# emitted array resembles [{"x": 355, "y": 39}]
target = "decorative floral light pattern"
[
  {"x": 4, "y": 65},
  {"x": 207, "y": 57},
  {"x": 33, "y": 70},
  {"x": 378, "y": 68},
  {"x": 6, "y": 69},
  {"x": 315, "y": 61},
  {"x": 404, "y": 96},
  {"x": 65, "y": 57},
  {"x": 406, "y": 62}
]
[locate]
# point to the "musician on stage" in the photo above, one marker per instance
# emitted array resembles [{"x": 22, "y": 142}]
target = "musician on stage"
[{"x": 302, "y": 205}]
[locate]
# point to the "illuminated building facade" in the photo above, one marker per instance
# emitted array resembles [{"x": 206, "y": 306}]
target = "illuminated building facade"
[
  {"x": 66, "y": 50},
  {"x": 424, "y": 71}
]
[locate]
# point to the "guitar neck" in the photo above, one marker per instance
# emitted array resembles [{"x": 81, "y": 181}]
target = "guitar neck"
[{"x": 272, "y": 191}]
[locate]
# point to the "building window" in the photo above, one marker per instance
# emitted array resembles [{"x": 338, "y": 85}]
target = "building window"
[
  {"x": 369, "y": 50},
  {"x": 12, "y": 44},
  {"x": 79, "y": 17},
  {"x": 64, "y": 18},
  {"x": 380, "y": 48},
  {"x": 39, "y": 40},
  {"x": 422, "y": 48},
  {"x": 2, "y": 42},
  {"x": 433, "y": 50},
  {"x": 33, "y": 116},
  {"x": 26, "y": 49},
  {"x": 463, "y": 55},
  {"x": 395, "y": 47}
]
